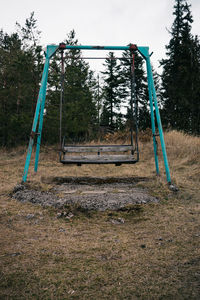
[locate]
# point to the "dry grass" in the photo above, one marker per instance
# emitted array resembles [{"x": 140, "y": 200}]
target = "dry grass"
[{"x": 153, "y": 255}]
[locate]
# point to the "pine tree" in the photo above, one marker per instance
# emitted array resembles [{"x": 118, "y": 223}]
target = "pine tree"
[
  {"x": 30, "y": 37},
  {"x": 98, "y": 95},
  {"x": 140, "y": 87},
  {"x": 180, "y": 78},
  {"x": 112, "y": 94},
  {"x": 52, "y": 105},
  {"x": 10, "y": 49},
  {"x": 78, "y": 109},
  {"x": 195, "y": 89},
  {"x": 20, "y": 68}
]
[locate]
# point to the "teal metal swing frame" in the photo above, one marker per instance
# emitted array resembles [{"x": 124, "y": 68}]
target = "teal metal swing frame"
[{"x": 39, "y": 111}]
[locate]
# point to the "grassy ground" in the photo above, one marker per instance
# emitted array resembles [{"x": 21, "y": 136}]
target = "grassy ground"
[{"x": 153, "y": 255}]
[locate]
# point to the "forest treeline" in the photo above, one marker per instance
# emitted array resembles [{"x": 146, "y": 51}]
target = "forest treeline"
[{"x": 94, "y": 104}]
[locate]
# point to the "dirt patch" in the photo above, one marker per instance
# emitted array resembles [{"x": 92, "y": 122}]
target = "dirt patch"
[{"x": 88, "y": 193}]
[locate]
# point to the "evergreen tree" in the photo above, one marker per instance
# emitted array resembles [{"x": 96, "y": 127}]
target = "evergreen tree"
[
  {"x": 19, "y": 81},
  {"x": 181, "y": 73},
  {"x": 140, "y": 88},
  {"x": 52, "y": 105},
  {"x": 112, "y": 94},
  {"x": 79, "y": 111},
  {"x": 98, "y": 96},
  {"x": 10, "y": 49},
  {"x": 30, "y": 37}
]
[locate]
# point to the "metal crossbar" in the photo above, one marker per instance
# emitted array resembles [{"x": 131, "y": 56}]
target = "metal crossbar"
[{"x": 93, "y": 57}]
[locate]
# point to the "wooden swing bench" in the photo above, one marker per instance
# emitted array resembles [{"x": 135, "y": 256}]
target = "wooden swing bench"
[
  {"x": 80, "y": 154},
  {"x": 101, "y": 154}
]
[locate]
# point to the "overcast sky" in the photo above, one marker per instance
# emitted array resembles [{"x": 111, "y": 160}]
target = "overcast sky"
[{"x": 100, "y": 22}]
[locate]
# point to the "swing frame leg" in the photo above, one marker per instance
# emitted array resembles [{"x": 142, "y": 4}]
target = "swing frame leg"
[
  {"x": 41, "y": 118},
  {"x": 155, "y": 147},
  {"x": 39, "y": 112},
  {"x": 144, "y": 51},
  {"x": 160, "y": 129}
]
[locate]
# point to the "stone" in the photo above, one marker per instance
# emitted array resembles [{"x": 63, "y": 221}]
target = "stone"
[
  {"x": 30, "y": 216},
  {"x": 117, "y": 221},
  {"x": 173, "y": 188},
  {"x": 59, "y": 215},
  {"x": 15, "y": 254},
  {"x": 69, "y": 216}
]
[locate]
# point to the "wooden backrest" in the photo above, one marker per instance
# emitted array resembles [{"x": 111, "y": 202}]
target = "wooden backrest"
[{"x": 100, "y": 148}]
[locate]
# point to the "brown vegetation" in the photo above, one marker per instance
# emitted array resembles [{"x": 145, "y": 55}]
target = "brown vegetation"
[{"x": 153, "y": 255}]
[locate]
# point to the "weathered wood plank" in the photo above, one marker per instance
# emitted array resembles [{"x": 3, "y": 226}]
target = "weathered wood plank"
[
  {"x": 98, "y": 159},
  {"x": 106, "y": 148}
]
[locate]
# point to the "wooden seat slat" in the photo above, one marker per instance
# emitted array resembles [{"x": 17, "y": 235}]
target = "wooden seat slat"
[
  {"x": 104, "y": 148},
  {"x": 98, "y": 159}
]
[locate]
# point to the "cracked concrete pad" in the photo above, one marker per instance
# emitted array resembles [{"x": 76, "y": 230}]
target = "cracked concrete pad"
[{"x": 90, "y": 196}]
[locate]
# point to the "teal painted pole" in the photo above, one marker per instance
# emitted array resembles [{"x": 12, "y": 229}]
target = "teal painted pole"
[
  {"x": 53, "y": 48},
  {"x": 152, "y": 120},
  {"x": 28, "y": 158},
  {"x": 35, "y": 121},
  {"x": 158, "y": 120},
  {"x": 41, "y": 116}
]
